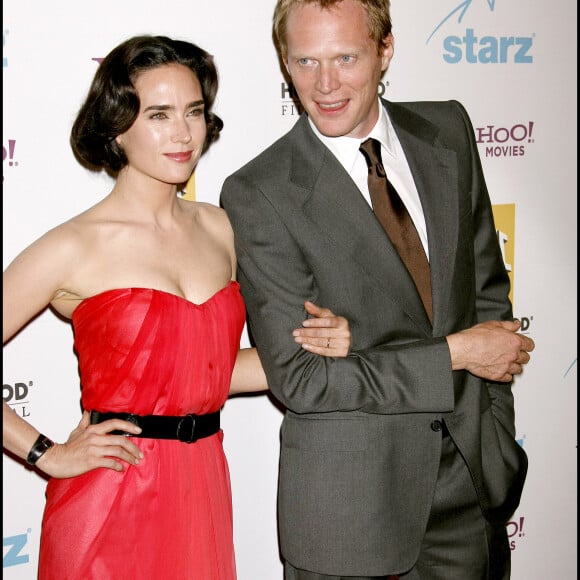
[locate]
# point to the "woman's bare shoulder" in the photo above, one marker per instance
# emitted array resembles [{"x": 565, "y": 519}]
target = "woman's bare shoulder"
[
  {"x": 58, "y": 238},
  {"x": 209, "y": 209},
  {"x": 59, "y": 249},
  {"x": 210, "y": 215}
]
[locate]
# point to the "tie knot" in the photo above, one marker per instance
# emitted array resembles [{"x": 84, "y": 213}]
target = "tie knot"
[{"x": 371, "y": 150}]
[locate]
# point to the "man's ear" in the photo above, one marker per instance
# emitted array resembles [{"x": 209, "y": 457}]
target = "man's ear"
[{"x": 387, "y": 51}]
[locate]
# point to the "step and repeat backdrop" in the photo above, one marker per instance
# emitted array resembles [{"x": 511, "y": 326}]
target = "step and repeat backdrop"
[{"x": 512, "y": 63}]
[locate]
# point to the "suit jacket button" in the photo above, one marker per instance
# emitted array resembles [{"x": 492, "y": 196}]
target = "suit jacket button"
[{"x": 436, "y": 426}]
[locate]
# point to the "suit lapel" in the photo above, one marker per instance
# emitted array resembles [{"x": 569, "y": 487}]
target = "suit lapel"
[
  {"x": 434, "y": 170},
  {"x": 352, "y": 228}
]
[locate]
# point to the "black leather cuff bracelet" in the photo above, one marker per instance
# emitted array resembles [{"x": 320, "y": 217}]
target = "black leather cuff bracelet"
[{"x": 40, "y": 447}]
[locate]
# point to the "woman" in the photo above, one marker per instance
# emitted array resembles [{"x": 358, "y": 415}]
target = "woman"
[{"x": 148, "y": 281}]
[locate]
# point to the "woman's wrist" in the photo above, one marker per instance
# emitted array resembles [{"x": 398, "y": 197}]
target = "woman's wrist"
[{"x": 40, "y": 447}]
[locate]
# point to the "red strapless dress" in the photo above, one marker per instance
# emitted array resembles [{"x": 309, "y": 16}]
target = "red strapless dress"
[{"x": 169, "y": 518}]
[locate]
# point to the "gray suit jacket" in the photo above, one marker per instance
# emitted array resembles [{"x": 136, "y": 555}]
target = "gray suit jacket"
[{"x": 359, "y": 449}]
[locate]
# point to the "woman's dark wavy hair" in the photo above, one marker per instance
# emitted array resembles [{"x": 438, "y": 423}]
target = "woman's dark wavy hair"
[{"x": 112, "y": 104}]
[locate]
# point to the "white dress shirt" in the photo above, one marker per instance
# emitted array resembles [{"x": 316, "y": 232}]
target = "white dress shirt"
[{"x": 346, "y": 150}]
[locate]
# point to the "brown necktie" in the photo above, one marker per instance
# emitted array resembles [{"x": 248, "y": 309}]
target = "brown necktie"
[{"x": 395, "y": 219}]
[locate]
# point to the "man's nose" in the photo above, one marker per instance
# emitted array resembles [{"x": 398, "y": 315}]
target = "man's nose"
[{"x": 327, "y": 79}]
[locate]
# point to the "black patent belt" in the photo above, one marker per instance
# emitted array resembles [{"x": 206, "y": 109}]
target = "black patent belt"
[{"x": 187, "y": 428}]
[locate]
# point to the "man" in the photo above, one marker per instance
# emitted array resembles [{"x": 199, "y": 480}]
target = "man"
[{"x": 399, "y": 459}]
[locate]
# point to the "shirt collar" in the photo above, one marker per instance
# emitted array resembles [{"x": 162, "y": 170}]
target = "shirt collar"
[{"x": 346, "y": 149}]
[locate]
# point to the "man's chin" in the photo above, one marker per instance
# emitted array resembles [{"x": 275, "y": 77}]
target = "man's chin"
[{"x": 330, "y": 128}]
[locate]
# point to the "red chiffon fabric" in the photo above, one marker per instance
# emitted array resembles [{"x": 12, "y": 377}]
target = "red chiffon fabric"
[{"x": 169, "y": 518}]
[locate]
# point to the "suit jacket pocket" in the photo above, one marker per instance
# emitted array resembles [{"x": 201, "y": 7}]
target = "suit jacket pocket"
[
  {"x": 330, "y": 433},
  {"x": 504, "y": 467}
]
